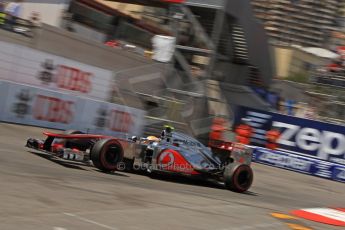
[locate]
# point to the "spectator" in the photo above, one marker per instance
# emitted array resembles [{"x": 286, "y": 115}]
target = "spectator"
[
  {"x": 13, "y": 11},
  {"x": 244, "y": 132},
  {"x": 272, "y": 137},
  {"x": 217, "y": 131},
  {"x": 290, "y": 107},
  {"x": 14, "y": 8},
  {"x": 2, "y": 6},
  {"x": 35, "y": 19},
  {"x": 2, "y": 14},
  {"x": 67, "y": 21}
]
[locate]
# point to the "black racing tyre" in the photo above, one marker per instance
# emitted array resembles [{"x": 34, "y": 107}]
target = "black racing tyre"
[
  {"x": 106, "y": 154},
  {"x": 238, "y": 178}
]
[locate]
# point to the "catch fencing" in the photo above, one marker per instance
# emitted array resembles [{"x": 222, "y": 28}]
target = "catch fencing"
[{"x": 29, "y": 66}]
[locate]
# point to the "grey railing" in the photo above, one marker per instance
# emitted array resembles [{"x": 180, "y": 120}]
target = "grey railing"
[{"x": 336, "y": 79}]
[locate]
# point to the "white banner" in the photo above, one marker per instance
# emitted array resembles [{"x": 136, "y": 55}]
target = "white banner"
[
  {"x": 107, "y": 118},
  {"x": 3, "y": 93},
  {"x": 28, "y": 66},
  {"x": 163, "y": 48},
  {"x": 28, "y": 105},
  {"x": 35, "y": 106}
]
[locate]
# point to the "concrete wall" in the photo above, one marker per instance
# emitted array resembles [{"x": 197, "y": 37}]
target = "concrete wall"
[
  {"x": 283, "y": 57},
  {"x": 125, "y": 8},
  {"x": 255, "y": 35},
  {"x": 291, "y": 90},
  {"x": 206, "y": 3},
  {"x": 50, "y": 10},
  {"x": 67, "y": 44},
  {"x": 292, "y": 60},
  {"x": 303, "y": 62},
  {"x": 87, "y": 32},
  {"x": 127, "y": 67}
]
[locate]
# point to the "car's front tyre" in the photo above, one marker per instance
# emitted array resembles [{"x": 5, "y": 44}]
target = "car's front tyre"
[{"x": 106, "y": 154}]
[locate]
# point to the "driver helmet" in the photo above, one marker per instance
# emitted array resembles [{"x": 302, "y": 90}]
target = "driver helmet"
[
  {"x": 168, "y": 128},
  {"x": 152, "y": 138}
]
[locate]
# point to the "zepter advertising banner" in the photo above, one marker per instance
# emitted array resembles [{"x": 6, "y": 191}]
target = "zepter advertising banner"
[
  {"x": 28, "y": 66},
  {"x": 311, "y": 138},
  {"x": 298, "y": 163},
  {"x": 38, "y": 107},
  {"x": 111, "y": 119}
]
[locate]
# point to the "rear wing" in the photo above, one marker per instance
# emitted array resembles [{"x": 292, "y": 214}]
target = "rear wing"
[{"x": 241, "y": 153}]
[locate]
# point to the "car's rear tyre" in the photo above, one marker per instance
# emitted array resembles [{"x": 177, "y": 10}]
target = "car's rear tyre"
[
  {"x": 238, "y": 178},
  {"x": 106, "y": 154}
]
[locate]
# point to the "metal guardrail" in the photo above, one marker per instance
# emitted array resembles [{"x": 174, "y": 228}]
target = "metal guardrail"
[
  {"x": 16, "y": 24},
  {"x": 328, "y": 78},
  {"x": 332, "y": 120},
  {"x": 157, "y": 119}
]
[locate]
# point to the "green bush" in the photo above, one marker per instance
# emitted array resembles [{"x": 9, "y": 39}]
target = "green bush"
[{"x": 301, "y": 77}]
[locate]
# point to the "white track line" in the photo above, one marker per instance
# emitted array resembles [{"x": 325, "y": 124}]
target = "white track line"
[
  {"x": 89, "y": 221},
  {"x": 164, "y": 208},
  {"x": 256, "y": 226}
]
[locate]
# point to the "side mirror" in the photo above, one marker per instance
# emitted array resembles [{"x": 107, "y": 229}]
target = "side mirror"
[{"x": 134, "y": 138}]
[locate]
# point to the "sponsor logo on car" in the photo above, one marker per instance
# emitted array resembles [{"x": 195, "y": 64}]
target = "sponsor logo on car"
[{"x": 166, "y": 159}]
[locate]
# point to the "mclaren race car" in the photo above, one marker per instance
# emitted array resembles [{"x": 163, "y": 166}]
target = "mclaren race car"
[{"x": 177, "y": 154}]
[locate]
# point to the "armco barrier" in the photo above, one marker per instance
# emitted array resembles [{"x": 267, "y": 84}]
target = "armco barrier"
[
  {"x": 24, "y": 104},
  {"x": 299, "y": 163}
]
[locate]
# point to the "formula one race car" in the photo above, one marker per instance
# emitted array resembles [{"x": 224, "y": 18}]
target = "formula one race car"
[{"x": 178, "y": 154}]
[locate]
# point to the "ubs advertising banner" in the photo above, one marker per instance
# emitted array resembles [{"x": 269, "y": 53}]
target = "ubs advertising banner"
[
  {"x": 24, "y": 104},
  {"x": 307, "y": 137},
  {"x": 3, "y": 93},
  {"x": 110, "y": 119},
  {"x": 29, "y": 66},
  {"x": 34, "y": 106}
]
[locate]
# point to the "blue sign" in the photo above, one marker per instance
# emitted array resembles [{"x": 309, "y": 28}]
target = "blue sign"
[
  {"x": 306, "y": 137},
  {"x": 305, "y": 165}
]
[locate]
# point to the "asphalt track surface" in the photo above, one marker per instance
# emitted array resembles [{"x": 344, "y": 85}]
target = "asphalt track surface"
[{"x": 41, "y": 193}]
